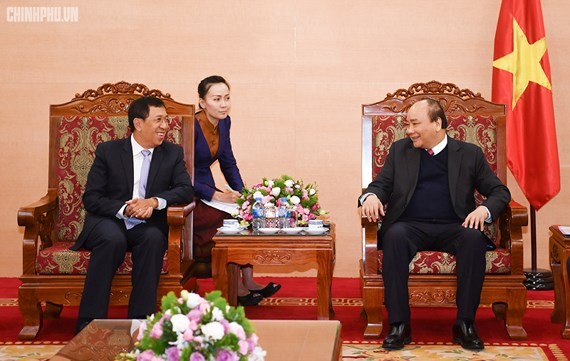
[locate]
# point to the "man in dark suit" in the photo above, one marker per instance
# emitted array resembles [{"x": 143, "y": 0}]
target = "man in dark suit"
[
  {"x": 427, "y": 185},
  {"x": 129, "y": 186}
]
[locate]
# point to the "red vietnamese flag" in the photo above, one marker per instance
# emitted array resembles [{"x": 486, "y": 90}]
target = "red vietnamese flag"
[{"x": 521, "y": 81}]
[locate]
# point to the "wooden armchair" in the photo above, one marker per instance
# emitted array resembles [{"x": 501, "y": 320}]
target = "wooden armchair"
[
  {"x": 53, "y": 275},
  {"x": 432, "y": 280}
]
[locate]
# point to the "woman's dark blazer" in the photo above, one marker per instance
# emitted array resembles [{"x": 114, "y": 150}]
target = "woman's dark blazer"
[{"x": 204, "y": 184}]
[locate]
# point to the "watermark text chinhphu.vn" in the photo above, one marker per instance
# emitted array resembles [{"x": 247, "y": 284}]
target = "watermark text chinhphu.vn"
[{"x": 39, "y": 14}]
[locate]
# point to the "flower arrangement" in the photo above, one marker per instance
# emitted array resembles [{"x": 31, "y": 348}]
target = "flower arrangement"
[
  {"x": 192, "y": 328},
  {"x": 303, "y": 199}
]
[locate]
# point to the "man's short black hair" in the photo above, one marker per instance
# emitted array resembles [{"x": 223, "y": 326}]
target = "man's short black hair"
[{"x": 141, "y": 107}]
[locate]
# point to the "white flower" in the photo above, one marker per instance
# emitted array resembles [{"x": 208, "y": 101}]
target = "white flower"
[
  {"x": 257, "y": 194},
  {"x": 217, "y": 314},
  {"x": 269, "y": 183},
  {"x": 213, "y": 330},
  {"x": 258, "y": 354},
  {"x": 179, "y": 323},
  {"x": 312, "y": 191},
  {"x": 295, "y": 200},
  {"x": 289, "y": 183},
  {"x": 275, "y": 191},
  {"x": 194, "y": 300}
]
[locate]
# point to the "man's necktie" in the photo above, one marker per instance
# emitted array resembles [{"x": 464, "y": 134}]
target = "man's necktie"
[
  {"x": 430, "y": 151},
  {"x": 131, "y": 222}
]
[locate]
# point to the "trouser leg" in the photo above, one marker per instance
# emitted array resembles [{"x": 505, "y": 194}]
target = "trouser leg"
[
  {"x": 470, "y": 256},
  {"x": 107, "y": 243},
  {"x": 399, "y": 248},
  {"x": 148, "y": 244}
]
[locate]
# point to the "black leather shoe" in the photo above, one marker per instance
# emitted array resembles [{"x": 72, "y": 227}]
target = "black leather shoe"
[
  {"x": 251, "y": 299},
  {"x": 465, "y": 334},
  {"x": 268, "y": 290},
  {"x": 400, "y": 334},
  {"x": 81, "y": 324}
]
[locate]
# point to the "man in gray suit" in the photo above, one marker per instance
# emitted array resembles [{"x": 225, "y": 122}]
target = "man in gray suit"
[
  {"x": 129, "y": 186},
  {"x": 425, "y": 192}
]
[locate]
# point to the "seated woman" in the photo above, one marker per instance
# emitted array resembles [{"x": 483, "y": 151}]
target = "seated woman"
[{"x": 212, "y": 142}]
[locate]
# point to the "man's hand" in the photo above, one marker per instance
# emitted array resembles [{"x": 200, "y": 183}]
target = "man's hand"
[
  {"x": 476, "y": 219},
  {"x": 372, "y": 208},
  {"x": 140, "y": 208}
]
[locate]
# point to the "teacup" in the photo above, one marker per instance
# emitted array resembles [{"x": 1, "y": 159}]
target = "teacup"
[
  {"x": 316, "y": 224},
  {"x": 231, "y": 223}
]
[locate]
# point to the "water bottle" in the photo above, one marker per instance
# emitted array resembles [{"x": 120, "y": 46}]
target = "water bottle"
[
  {"x": 258, "y": 214},
  {"x": 271, "y": 220},
  {"x": 283, "y": 213}
]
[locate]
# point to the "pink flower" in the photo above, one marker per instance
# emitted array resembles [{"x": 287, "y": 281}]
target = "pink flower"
[
  {"x": 147, "y": 355},
  {"x": 243, "y": 347},
  {"x": 193, "y": 326},
  {"x": 188, "y": 335},
  {"x": 196, "y": 356},
  {"x": 172, "y": 354},
  {"x": 156, "y": 330},
  {"x": 204, "y": 307},
  {"x": 195, "y": 315},
  {"x": 226, "y": 355}
]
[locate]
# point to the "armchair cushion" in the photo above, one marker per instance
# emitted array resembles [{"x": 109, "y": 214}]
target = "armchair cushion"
[
  {"x": 432, "y": 262},
  {"x": 60, "y": 260}
]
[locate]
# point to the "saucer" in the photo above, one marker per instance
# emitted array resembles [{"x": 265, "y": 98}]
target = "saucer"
[
  {"x": 268, "y": 230},
  {"x": 316, "y": 231},
  {"x": 294, "y": 230},
  {"x": 226, "y": 230}
]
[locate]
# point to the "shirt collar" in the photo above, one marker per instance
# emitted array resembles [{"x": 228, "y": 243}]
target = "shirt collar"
[
  {"x": 137, "y": 148},
  {"x": 440, "y": 146}
]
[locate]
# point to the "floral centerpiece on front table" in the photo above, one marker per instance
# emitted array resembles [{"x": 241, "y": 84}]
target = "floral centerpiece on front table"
[
  {"x": 192, "y": 328},
  {"x": 302, "y": 198}
]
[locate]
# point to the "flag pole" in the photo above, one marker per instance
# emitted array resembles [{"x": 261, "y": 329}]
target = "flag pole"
[{"x": 536, "y": 279}]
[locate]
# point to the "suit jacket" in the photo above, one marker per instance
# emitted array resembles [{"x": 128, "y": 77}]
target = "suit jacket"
[
  {"x": 203, "y": 178},
  {"x": 468, "y": 171},
  {"x": 110, "y": 183}
]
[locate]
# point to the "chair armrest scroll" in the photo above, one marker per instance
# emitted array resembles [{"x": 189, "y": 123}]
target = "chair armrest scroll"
[
  {"x": 30, "y": 215},
  {"x": 511, "y": 222},
  {"x": 38, "y": 219},
  {"x": 369, "y": 246},
  {"x": 176, "y": 216}
]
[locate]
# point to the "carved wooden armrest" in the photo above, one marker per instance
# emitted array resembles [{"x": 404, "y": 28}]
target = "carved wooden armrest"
[
  {"x": 38, "y": 219},
  {"x": 176, "y": 217},
  {"x": 511, "y": 222},
  {"x": 176, "y": 214},
  {"x": 369, "y": 246}
]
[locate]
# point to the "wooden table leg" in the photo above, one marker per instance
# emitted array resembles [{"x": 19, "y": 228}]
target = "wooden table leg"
[
  {"x": 233, "y": 279},
  {"x": 565, "y": 293},
  {"x": 557, "y": 315},
  {"x": 324, "y": 283},
  {"x": 219, "y": 270}
]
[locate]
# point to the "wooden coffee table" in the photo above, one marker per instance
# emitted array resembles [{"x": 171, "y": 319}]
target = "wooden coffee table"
[
  {"x": 282, "y": 340},
  {"x": 279, "y": 252},
  {"x": 559, "y": 254}
]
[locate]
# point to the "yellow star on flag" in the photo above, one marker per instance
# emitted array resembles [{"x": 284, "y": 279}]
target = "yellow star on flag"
[{"x": 524, "y": 63}]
